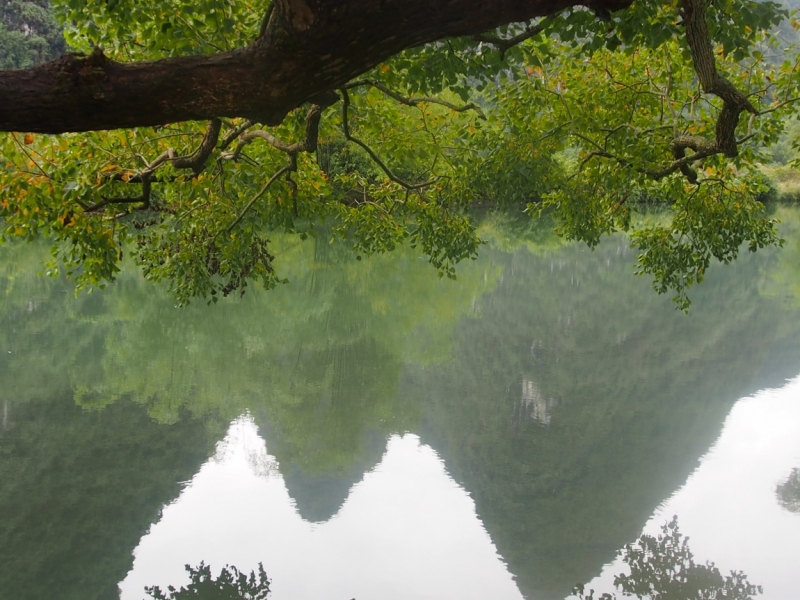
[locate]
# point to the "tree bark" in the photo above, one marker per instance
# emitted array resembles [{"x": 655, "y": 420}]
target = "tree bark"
[
  {"x": 307, "y": 47},
  {"x": 705, "y": 65}
]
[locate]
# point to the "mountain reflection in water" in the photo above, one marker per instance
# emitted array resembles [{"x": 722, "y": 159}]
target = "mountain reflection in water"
[{"x": 555, "y": 399}]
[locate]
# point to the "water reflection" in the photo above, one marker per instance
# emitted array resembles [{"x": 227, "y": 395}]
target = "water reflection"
[
  {"x": 406, "y": 530},
  {"x": 547, "y": 383},
  {"x": 534, "y": 405},
  {"x": 788, "y": 492},
  {"x": 663, "y": 568},
  {"x": 727, "y": 506},
  {"x": 231, "y": 584}
]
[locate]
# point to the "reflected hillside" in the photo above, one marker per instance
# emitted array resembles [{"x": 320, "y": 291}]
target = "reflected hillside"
[
  {"x": 578, "y": 400},
  {"x": 327, "y": 348},
  {"x": 663, "y": 568},
  {"x": 562, "y": 393},
  {"x": 78, "y": 491}
]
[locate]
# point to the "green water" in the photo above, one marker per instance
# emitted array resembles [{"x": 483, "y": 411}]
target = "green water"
[{"x": 562, "y": 394}]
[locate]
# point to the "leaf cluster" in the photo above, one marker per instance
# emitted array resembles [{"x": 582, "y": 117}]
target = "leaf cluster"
[{"x": 582, "y": 119}]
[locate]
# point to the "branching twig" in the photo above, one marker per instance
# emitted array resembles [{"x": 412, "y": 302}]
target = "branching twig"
[
  {"x": 376, "y": 159},
  {"x": 505, "y": 44},
  {"x": 414, "y": 101},
  {"x": 234, "y": 133},
  {"x": 30, "y": 158},
  {"x": 734, "y": 102},
  {"x": 144, "y": 198},
  {"x": 196, "y": 161},
  {"x": 260, "y": 193}
]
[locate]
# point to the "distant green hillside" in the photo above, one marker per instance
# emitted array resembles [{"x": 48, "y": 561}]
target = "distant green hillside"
[{"x": 29, "y": 34}]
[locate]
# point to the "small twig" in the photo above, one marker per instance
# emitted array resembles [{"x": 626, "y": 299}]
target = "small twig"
[
  {"x": 778, "y": 106},
  {"x": 376, "y": 159},
  {"x": 260, "y": 193},
  {"x": 144, "y": 198},
  {"x": 21, "y": 147},
  {"x": 414, "y": 101},
  {"x": 234, "y": 133},
  {"x": 505, "y": 44}
]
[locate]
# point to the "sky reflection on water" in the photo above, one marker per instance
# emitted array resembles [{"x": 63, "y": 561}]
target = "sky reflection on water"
[
  {"x": 557, "y": 402},
  {"x": 728, "y": 506},
  {"x": 407, "y": 530}
]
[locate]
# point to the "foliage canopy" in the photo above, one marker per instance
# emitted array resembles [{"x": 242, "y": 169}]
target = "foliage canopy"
[{"x": 573, "y": 115}]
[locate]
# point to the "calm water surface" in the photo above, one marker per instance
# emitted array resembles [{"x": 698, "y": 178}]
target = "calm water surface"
[{"x": 369, "y": 431}]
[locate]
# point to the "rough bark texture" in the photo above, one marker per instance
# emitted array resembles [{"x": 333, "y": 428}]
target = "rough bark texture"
[
  {"x": 700, "y": 45},
  {"x": 307, "y": 47}
]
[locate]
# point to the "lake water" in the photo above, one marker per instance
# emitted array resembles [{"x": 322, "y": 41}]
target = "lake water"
[{"x": 370, "y": 431}]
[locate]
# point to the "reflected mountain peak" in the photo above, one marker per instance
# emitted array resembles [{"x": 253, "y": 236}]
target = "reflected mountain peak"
[
  {"x": 243, "y": 440},
  {"x": 631, "y": 393}
]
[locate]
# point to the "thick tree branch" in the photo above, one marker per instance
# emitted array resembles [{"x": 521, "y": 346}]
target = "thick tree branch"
[
  {"x": 705, "y": 64},
  {"x": 306, "y": 47},
  {"x": 197, "y": 160}
]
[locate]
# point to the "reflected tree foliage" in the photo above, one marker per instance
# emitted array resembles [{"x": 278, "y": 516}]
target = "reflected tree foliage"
[
  {"x": 576, "y": 401},
  {"x": 560, "y": 392},
  {"x": 79, "y": 489},
  {"x": 663, "y": 568},
  {"x": 788, "y": 492},
  {"x": 231, "y": 584},
  {"x": 316, "y": 362}
]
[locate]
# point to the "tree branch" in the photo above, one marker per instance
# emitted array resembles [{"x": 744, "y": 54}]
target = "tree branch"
[
  {"x": 705, "y": 64},
  {"x": 235, "y": 133},
  {"x": 414, "y": 101},
  {"x": 144, "y": 198},
  {"x": 376, "y": 159},
  {"x": 505, "y": 44},
  {"x": 196, "y": 161},
  {"x": 260, "y": 193},
  {"x": 305, "y": 47},
  {"x": 307, "y": 144}
]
